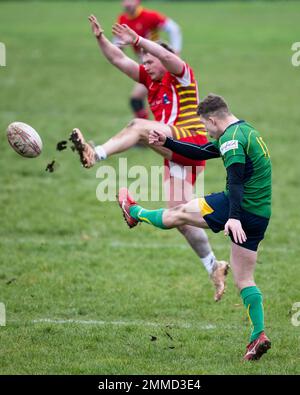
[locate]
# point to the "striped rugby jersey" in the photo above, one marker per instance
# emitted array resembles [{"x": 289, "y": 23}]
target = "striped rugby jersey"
[{"x": 174, "y": 100}]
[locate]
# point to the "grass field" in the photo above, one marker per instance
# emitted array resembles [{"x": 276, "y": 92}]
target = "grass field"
[{"x": 68, "y": 258}]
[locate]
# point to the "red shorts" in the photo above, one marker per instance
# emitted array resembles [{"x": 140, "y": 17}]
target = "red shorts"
[{"x": 191, "y": 136}]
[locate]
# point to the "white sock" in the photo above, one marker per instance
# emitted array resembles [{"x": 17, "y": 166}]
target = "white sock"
[
  {"x": 209, "y": 262},
  {"x": 101, "y": 154}
]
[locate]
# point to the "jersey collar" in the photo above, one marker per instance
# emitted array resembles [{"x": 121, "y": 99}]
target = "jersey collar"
[{"x": 232, "y": 124}]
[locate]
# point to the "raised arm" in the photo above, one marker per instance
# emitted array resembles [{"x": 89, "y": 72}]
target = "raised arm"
[
  {"x": 127, "y": 36},
  {"x": 114, "y": 54}
]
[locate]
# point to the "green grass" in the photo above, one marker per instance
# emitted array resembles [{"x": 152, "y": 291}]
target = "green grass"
[{"x": 69, "y": 256}]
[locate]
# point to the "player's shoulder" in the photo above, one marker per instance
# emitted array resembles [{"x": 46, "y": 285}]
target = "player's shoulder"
[
  {"x": 185, "y": 77},
  {"x": 234, "y": 131},
  {"x": 233, "y": 139},
  {"x": 149, "y": 11}
]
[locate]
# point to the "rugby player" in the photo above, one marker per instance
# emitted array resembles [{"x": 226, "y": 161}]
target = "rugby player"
[
  {"x": 172, "y": 95},
  {"x": 242, "y": 211},
  {"x": 146, "y": 23}
]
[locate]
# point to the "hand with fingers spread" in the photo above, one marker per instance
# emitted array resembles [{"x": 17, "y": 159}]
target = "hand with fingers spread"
[
  {"x": 125, "y": 35},
  {"x": 157, "y": 138},
  {"x": 96, "y": 27},
  {"x": 235, "y": 227}
]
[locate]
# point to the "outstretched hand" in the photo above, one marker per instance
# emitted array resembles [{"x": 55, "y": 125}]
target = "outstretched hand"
[
  {"x": 96, "y": 27},
  {"x": 125, "y": 35},
  {"x": 235, "y": 227},
  {"x": 157, "y": 138}
]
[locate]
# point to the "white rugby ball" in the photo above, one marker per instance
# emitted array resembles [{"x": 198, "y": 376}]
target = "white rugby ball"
[{"x": 24, "y": 139}]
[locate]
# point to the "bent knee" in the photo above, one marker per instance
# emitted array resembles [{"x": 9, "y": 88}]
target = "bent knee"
[
  {"x": 139, "y": 123},
  {"x": 140, "y": 127},
  {"x": 178, "y": 214}
]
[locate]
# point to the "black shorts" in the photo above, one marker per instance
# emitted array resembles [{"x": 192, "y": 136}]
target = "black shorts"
[{"x": 215, "y": 211}]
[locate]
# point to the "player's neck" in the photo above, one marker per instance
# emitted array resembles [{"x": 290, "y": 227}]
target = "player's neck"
[{"x": 224, "y": 124}]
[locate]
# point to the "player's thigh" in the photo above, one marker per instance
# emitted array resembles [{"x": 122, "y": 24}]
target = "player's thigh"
[
  {"x": 143, "y": 127},
  {"x": 147, "y": 126},
  {"x": 139, "y": 91},
  {"x": 192, "y": 214},
  {"x": 243, "y": 263}
]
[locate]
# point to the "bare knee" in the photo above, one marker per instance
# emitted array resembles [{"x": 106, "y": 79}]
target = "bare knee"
[{"x": 175, "y": 216}]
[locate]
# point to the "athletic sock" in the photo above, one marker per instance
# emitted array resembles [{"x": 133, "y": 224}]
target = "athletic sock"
[
  {"x": 101, "y": 154},
  {"x": 209, "y": 262},
  {"x": 253, "y": 302},
  {"x": 152, "y": 217}
]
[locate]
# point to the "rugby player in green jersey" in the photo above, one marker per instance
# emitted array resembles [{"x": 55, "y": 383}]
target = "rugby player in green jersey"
[{"x": 242, "y": 211}]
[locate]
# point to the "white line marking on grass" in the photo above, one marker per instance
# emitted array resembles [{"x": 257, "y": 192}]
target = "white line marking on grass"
[{"x": 124, "y": 323}]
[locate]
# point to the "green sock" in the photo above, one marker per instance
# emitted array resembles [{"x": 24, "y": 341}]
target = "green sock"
[
  {"x": 152, "y": 217},
  {"x": 253, "y": 302}
]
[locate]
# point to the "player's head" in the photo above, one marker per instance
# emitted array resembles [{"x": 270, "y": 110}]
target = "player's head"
[
  {"x": 153, "y": 65},
  {"x": 214, "y": 111},
  {"x": 130, "y": 6}
]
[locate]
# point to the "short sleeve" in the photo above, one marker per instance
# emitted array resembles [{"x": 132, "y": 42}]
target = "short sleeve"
[
  {"x": 231, "y": 147},
  {"x": 185, "y": 78}
]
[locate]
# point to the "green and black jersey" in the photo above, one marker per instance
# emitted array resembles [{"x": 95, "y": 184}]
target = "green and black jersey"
[{"x": 241, "y": 143}]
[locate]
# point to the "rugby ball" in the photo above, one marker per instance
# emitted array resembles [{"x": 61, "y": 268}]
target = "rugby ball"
[{"x": 24, "y": 139}]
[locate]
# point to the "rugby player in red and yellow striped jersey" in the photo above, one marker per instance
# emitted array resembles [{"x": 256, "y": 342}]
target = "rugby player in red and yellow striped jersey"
[
  {"x": 172, "y": 96},
  {"x": 148, "y": 24}
]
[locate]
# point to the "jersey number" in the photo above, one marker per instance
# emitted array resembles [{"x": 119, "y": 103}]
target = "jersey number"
[{"x": 263, "y": 146}]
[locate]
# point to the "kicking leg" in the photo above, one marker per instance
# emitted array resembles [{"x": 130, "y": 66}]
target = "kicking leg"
[
  {"x": 136, "y": 131},
  {"x": 161, "y": 218},
  {"x": 179, "y": 216}
]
